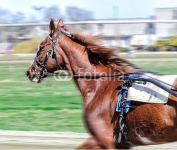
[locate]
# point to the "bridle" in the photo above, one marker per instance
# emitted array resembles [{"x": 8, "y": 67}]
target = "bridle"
[{"x": 48, "y": 54}]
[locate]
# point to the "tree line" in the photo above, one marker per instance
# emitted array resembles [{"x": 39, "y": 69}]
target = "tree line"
[{"x": 46, "y": 13}]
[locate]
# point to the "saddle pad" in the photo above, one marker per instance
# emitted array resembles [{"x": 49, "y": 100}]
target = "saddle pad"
[{"x": 150, "y": 93}]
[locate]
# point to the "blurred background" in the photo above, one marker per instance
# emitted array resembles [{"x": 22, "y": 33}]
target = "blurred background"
[
  {"x": 149, "y": 25},
  {"x": 145, "y": 32}
]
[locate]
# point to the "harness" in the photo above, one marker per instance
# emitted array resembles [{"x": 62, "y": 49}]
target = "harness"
[
  {"x": 123, "y": 107},
  {"x": 123, "y": 104}
]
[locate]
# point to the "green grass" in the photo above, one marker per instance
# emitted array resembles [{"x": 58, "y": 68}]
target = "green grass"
[
  {"x": 49, "y": 106},
  {"x": 165, "y": 67}
]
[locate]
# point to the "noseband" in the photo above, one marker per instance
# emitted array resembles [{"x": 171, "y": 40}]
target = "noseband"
[{"x": 49, "y": 52}]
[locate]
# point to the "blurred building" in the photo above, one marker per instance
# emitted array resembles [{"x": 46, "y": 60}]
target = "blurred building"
[
  {"x": 128, "y": 34},
  {"x": 119, "y": 35},
  {"x": 166, "y": 29}
]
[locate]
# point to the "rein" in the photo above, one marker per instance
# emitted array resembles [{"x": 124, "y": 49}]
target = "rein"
[
  {"x": 83, "y": 76},
  {"x": 136, "y": 74}
]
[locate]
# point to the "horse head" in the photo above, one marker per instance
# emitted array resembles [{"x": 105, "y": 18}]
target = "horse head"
[{"x": 48, "y": 59}]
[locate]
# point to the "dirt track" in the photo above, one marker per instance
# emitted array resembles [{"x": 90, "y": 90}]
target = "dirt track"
[{"x": 19, "y": 140}]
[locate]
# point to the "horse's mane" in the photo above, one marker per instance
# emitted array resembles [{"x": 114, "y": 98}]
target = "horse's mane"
[{"x": 108, "y": 54}]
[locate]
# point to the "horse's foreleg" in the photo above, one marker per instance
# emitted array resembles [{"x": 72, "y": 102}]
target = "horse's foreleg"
[{"x": 90, "y": 143}]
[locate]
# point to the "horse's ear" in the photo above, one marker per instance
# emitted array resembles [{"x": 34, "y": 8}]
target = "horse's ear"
[
  {"x": 52, "y": 26},
  {"x": 60, "y": 24}
]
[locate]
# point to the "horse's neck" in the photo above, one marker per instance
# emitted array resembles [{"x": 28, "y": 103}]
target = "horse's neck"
[
  {"x": 80, "y": 64},
  {"x": 75, "y": 55}
]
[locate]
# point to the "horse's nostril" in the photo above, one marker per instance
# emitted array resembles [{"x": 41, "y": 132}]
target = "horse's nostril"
[{"x": 27, "y": 73}]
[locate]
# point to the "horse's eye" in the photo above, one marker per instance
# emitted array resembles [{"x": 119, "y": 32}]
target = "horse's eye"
[{"x": 42, "y": 47}]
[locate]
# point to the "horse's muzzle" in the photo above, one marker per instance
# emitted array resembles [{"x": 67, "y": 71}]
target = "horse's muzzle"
[
  {"x": 27, "y": 73},
  {"x": 32, "y": 77}
]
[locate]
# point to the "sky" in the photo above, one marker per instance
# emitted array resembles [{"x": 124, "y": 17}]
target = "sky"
[{"x": 103, "y": 9}]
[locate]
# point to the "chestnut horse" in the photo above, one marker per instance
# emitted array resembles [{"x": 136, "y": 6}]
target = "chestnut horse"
[{"x": 82, "y": 55}]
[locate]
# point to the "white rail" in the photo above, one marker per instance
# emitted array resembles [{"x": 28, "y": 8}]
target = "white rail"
[{"x": 95, "y": 22}]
